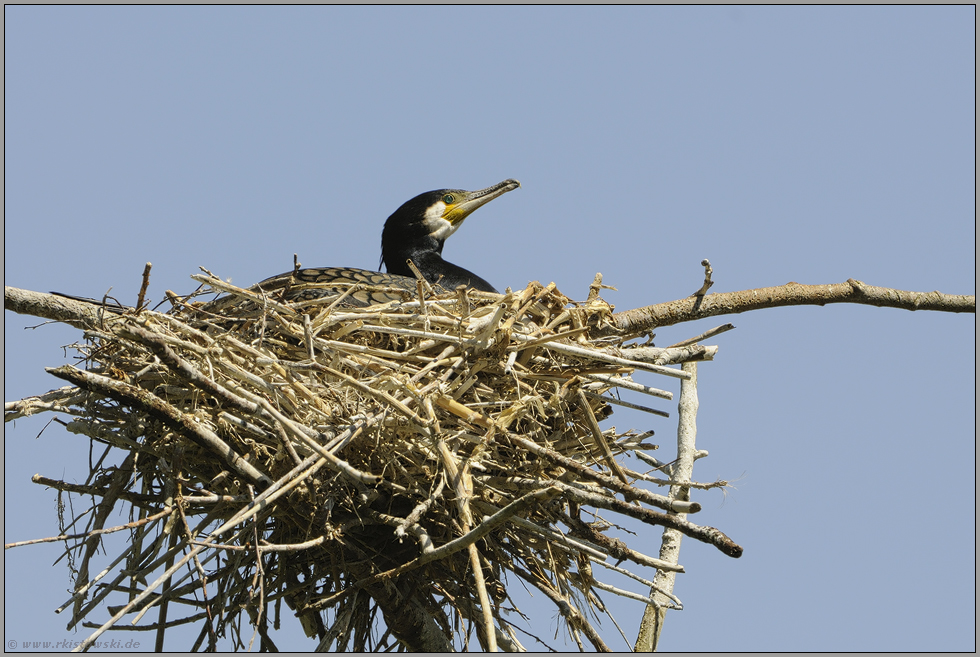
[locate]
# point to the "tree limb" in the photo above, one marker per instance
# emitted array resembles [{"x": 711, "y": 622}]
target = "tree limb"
[
  {"x": 791, "y": 294},
  {"x": 80, "y": 314}
]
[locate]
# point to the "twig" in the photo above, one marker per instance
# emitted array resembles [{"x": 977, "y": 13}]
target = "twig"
[
  {"x": 718, "y": 330},
  {"x": 143, "y": 287},
  {"x": 701, "y": 533},
  {"x": 599, "y": 439},
  {"x": 167, "y": 510},
  {"x": 707, "y": 279},
  {"x": 616, "y": 548},
  {"x": 572, "y": 615},
  {"x": 626, "y": 404},
  {"x": 629, "y": 492},
  {"x": 595, "y": 354},
  {"x": 649, "y": 584},
  {"x": 621, "y": 382}
]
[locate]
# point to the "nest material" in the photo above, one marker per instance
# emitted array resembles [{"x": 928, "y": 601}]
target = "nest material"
[{"x": 351, "y": 461}]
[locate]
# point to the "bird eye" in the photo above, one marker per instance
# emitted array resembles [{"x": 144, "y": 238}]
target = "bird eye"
[{"x": 448, "y": 198}]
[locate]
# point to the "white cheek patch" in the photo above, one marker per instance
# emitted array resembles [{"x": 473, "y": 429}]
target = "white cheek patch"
[{"x": 438, "y": 227}]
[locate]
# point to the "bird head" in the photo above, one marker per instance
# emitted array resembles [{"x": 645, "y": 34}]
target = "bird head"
[{"x": 430, "y": 218}]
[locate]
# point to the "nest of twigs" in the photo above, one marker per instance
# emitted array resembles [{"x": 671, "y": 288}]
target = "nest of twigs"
[{"x": 415, "y": 458}]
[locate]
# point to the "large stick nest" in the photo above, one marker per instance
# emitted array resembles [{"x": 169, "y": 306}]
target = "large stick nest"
[{"x": 350, "y": 460}]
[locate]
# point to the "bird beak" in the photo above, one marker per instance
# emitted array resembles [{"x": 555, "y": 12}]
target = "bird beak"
[{"x": 455, "y": 213}]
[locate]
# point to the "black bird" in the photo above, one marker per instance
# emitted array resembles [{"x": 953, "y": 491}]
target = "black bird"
[{"x": 416, "y": 231}]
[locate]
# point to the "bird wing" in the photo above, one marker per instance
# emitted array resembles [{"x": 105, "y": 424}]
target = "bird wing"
[{"x": 369, "y": 287}]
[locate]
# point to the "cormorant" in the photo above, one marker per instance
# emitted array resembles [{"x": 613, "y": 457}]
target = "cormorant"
[{"x": 416, "y": 231}]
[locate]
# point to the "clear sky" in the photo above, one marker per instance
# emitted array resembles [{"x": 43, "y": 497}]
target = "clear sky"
[{"x": 784, "y": 144}]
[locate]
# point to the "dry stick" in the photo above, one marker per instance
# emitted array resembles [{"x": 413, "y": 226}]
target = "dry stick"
[
  {"x": 624, "y": 593},
  {"x": 138, "y": 398},
  {"x": 665, "y": 356},
  {"x": 146, "y": 283},
  {"x": 336, "y": 345},
  {"x": 595, "y": 354},
  {"x": 620, "y": 402},
  {"x": 300, "y": 431},
  {"x": 286, "y": 442},
  {"x": 259, "y": 574},
  {"x": 555, "y": 537},
  {"x": 102, "y": 592},
  {"x": 718, "y": 330},
  {"x": 481, "y": 586},
  {"x": 201, "y": 576},
  {"x": 629, "y": 492},
  {"x": 373, "y": 392},
  {"x": 79, "y": 314},
  {"x": 332, "y": 459},
  {"x": 412, "y": 518},
  {"x": 177, "y": 325},
  {"x": 791, "y": 294},
  {"x": 401, "y": 528},
  {"x": 170, "y": 591},
  {"x": 95, "y": 532},
  {"x": 616, "y": 548},
  {"x": 420, "y": 280},
  {"x": 98, "y": 431},
  {"x": 537, "y": 342},
  {"x": 186, "y": 371},
  {"x": 632, "y": 575},
  {"x": 58, "y": 399},
  {"x": 462, "y": 410},
  {"x": 687, "y": 408},
  {"x": 701, "y": 533},
  {"x": 152, "y": 627},
  {"x": 572, "y": 615},
  {"x": 620, "y": 382},
  {"x": 600, "y": 440},
  {"x": 164, "y": 603},
  {"x": 720, "y": 483},
  {"x": 257, "y": 297},
  {"x": 445, "y": 353},
  {"x": 102, "y": 510}
]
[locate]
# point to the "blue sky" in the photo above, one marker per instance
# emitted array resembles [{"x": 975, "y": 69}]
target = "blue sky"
[{"x": 809, "y": 144}]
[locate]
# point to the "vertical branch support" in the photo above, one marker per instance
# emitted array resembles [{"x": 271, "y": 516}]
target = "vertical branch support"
[{"x": 653, "y": 617}]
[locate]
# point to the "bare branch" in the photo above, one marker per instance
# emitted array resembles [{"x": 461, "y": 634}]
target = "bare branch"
[
  {"x": 791, "y": 294},
  {"x": 80, "y": 314},
  {"x": 663, "y": 583}
]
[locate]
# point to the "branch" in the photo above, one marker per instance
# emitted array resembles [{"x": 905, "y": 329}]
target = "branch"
[
  {"x": 80, "y": 314},
  {"x": 791, "y": 294},
  {"x": 663, "y": 582}
]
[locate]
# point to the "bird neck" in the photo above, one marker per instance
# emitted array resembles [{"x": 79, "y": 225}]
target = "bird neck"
[
  {"x": 426, "y": 248},
  {"x": 429, "y": 261}
]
